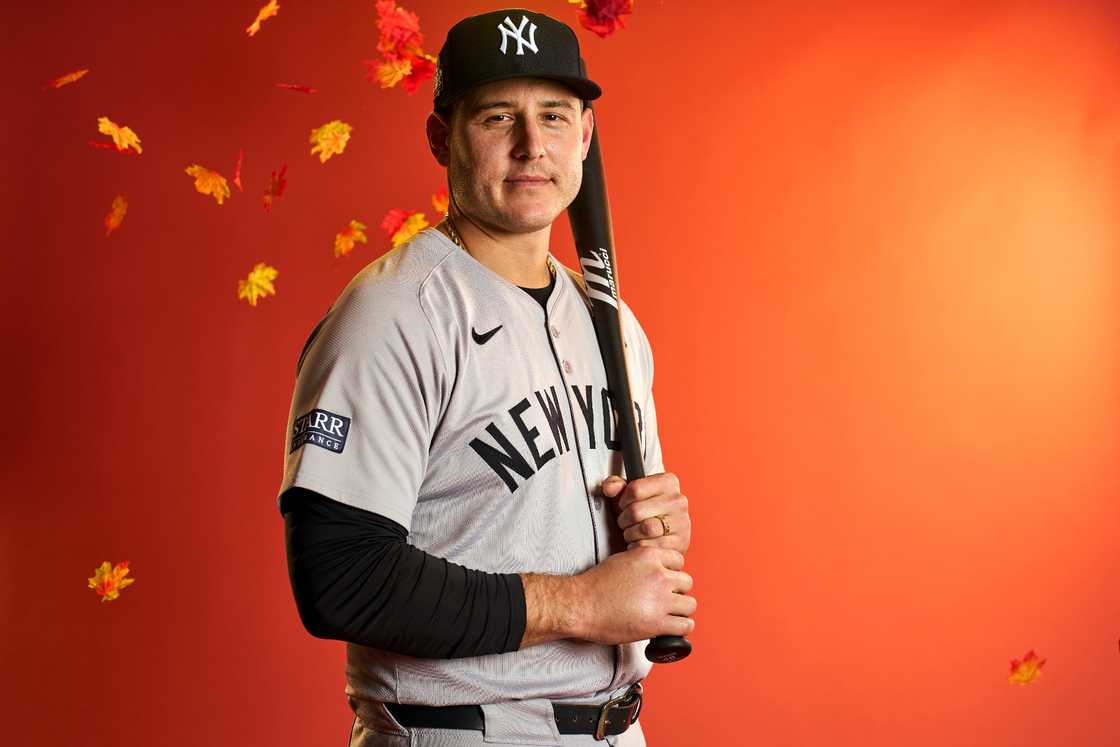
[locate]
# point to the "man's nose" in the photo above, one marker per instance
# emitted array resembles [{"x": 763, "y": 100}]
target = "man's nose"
[{"x": 530, "y": 140}]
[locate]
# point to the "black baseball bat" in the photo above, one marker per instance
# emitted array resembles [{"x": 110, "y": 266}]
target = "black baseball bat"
[{"x": 590, "y": 217}]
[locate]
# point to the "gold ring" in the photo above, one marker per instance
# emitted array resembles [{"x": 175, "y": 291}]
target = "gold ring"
[{"x": 664, "y": 524}]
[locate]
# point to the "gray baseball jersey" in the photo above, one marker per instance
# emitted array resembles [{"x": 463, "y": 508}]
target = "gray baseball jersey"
[{"x": 440, "y": 395}]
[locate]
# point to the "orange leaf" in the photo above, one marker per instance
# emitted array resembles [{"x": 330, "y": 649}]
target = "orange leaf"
[
  {"x": 391, "y": 72},
  {"x": 115, "y": 216},
  {"x": 344, "y": 240},
  {"x": 108, "y": 580},
  {"x": 65, "y": 79},
  {"x": 268, "y": 11},
  {"x": 209, "y": 182},
  {"x": 439, "y": 200},
  {"x": 123, "y": 138},
  {"x": 1027, "y": 670},
  {"x": 237, "y": 170},
  {"x": 330, "y": 139},
  {"x": 297, "y": 87},
  {"x": 275, "y": 187},
  {"x": 403, "y": 225},
  {"x": 398, "y": 29}
]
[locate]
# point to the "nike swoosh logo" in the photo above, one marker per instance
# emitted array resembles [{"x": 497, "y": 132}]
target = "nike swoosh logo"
[{"x": 483, "y": 338}]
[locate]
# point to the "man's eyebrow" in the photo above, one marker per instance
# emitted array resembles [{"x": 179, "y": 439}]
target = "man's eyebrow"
[{"x": 545, "y": 104}]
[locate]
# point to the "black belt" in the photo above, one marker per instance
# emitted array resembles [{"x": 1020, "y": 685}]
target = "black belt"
[{"x": 608, "y": 719}]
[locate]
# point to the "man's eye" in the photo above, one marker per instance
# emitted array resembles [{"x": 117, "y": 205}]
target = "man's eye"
[{"x": 494, "y": 117}]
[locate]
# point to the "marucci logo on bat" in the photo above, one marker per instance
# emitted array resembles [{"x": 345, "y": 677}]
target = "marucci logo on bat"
[
  {"x": 320, "y": 428},
  {"x": 598, "y": 276}
]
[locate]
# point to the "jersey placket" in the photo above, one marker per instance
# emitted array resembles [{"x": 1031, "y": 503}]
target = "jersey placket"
[{"x": 551, "y": 333}]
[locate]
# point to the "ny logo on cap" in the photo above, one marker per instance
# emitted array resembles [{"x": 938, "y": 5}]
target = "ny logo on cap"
[{"x": 509, "y": 31}]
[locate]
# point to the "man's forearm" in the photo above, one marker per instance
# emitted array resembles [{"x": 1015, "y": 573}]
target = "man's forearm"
[{"x": 552, "y": 608}]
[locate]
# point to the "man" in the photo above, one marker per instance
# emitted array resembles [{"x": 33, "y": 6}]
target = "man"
[{"x": 454, "y": 397}]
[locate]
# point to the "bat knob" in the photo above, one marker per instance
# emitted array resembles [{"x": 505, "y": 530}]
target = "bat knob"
[{"x": 667, "y": 648}]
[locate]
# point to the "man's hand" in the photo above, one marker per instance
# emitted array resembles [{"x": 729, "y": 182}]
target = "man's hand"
[
  {"x": 630, "y": 596},
  {"x": 639, "y": 503}
]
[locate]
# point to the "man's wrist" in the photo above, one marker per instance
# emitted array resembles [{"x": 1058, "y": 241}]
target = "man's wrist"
[{"x": 553, "y": 608}]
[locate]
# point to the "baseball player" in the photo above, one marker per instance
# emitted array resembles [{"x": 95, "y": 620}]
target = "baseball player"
[{"x": 452, "y": 493}]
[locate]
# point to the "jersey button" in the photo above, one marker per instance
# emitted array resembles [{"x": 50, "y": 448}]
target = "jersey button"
[
  {"x": 567, "y": 366},
  {"x": 555, "y": 332}
]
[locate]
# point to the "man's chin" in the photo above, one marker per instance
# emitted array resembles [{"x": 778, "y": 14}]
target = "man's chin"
[{"x": 530, "y": 222}]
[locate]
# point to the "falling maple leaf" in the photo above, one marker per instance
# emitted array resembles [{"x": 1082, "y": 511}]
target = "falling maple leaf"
[
  {"x": 123, "y": 137},
  {"x": 1027, "y": 670},
  {"x": 63, "y": 80},
  {"x": 398, "y": 29},
  {"x": 602, "y": 16},
  {"x": 423, "y": 67},
  {"x": 390, "y": 72},
  {"x": 108, "y": 580},
  {"x": 330, "y": 139},
  {"x": 115, "y": 216},
  {"x": 258, "y": 284},
  {"x": 439, "y": 200},
  {"x": 209, "y": 182},
  {"x": 275, "y": 187},
  {"x": 268, "y": 11},
  {"x": 297, "y": 87},
  {"x": 110, "y": 146},
  {"x": 237, "y": 170},
  {"x": 344, "y": 239},
  {"x": 401, "y": 46},
  {"x": 402, "y": 225}
]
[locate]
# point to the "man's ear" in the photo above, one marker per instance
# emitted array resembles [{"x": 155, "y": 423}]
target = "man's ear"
[
  {"x": 439, "y": 133},
  {"x": 587, "y": 120}
]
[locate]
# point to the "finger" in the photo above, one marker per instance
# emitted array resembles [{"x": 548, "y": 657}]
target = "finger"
[
  {"x": 671, "y": 559},
  {"x": 612, "y": 486},
  {"x": 683, "y": 605},
  {"x": 647, "y": 487},
  {"x": 680, "y": 582},
  {"x": 648, "y": 529},
  {"x": 669, "y": 542},
  {"x": 677, "y": 625},
  {"x": 638, "y": 511}
]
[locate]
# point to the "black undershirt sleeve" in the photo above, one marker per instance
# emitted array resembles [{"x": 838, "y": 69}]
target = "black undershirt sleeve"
[{"x": 356, "y": 579}]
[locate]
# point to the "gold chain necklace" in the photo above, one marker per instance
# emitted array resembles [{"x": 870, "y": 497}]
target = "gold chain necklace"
[{"x": 459, "y": 241}]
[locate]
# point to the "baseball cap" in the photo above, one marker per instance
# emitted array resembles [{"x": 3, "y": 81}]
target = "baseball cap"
[{"x": 510, "y": 43}]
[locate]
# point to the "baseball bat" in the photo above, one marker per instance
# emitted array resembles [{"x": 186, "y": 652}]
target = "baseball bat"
[{"x": 590, "y": 218}]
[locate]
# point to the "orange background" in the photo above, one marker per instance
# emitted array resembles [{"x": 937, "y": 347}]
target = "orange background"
[{"x": 874, "y": 246}]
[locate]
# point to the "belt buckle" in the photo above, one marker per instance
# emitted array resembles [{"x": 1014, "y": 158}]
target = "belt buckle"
[{"x": 635, "y": 691}]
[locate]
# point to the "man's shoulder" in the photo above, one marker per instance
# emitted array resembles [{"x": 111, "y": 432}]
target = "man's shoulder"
[{"x": 403, "y": 268}]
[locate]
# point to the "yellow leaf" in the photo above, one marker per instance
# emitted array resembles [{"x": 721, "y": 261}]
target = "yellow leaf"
[
  {"x": 414, "y": 225},
  {"x": 258, "y": 284},
  {"x": 115, "y": 216},
  {"x": 1027, "y": 670},
  {"x": 209, "y": 182},
  {"x": 268, "y": 11},
  {"x": 330, "y": 139},
  {"x": 344, "y": 239},
  {"x": 393, "y": 72},
  {"x": 123, "y": 137},
  {"x": 108, "y": 580}
]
